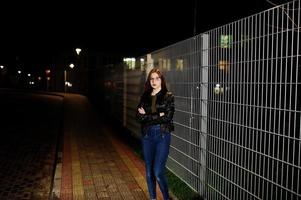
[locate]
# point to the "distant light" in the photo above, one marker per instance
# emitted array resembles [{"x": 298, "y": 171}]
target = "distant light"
[
  {"x": 19, "y": 72},
  {"x": 1, "y": 66},
  {"x": 223, "y": 65},
  {"x": 218, "y": 89},
  {"x": 39, "y": 78},
  {"x": 130, "y": 62},
  {"x": 142, "y": 59},
  {"x": 71, "y": 65},
  {"x": 28, "y": 74},
  {"x": 48, "y": 78},
  {"x": 129, "y": 59},
  {"x": 47, "y": 71},
  {"x": 68, "y": 84},
  {"x": 78, "y": 50}
]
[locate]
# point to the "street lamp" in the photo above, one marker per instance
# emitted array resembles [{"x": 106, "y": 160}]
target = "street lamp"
[
  {"x": 78, "y": 50},
  {"x": 77, "y": 77},
  {"x": 71, "y": 65},
  {"x": 67, "y": 84},
  {"x": 47, "y": 71}
]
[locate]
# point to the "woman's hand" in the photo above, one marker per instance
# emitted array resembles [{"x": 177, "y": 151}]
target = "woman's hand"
[{"x": 141, "y": 111}]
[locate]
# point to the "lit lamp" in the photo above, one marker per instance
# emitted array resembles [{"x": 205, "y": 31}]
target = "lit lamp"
[
  {"x": 2, "y": 69},
  {"x": 66, "y": 83},
  {"x": 78, "y": 50},
  {"x": 218, "y": 89},
  {"x": 79, "y": 65},
  {"x": 47, "y": 71}
]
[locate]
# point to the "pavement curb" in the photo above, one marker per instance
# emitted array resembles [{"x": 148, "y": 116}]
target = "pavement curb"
[{"x": 56, "y": 189}]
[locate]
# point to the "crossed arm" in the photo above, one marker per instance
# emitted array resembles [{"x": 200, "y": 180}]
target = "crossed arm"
[{"x": 157, "y": 118}]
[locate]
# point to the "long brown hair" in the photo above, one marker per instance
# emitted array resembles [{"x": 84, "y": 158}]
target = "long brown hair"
[{"x": 147, "y": 86}]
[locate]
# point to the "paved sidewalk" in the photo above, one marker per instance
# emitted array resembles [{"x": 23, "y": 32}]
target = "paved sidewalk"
[
  {"x": 30, "y": 125},
  {"x": 95, "y": 164}
]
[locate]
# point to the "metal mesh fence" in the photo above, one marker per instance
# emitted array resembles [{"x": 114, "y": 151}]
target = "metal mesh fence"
[{"x": 238, "y": 105}]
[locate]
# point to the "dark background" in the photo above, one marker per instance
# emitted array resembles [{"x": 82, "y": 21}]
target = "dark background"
[{"x": 33, "y": 32}]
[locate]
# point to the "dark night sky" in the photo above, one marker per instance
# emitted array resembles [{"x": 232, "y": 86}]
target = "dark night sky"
[{"x": 35, "y": 31}]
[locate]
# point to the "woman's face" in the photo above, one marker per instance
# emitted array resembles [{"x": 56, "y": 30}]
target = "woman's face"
[{"x": 155, "y": 81}]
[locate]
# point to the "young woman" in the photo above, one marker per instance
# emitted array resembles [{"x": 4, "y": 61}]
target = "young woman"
[{"x": 155, "y": 113}]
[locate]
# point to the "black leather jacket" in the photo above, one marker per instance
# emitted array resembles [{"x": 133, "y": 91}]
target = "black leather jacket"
[{"x": 164, "y": 104}]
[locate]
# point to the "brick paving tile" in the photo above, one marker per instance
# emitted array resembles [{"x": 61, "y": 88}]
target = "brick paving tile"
[{"x": 95, "y": 165}]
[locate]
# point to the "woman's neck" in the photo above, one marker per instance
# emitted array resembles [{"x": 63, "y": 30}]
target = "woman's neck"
[{"x": 155, "y": 91}]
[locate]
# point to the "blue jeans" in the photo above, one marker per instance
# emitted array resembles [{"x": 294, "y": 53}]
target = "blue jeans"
[{"x": 155, "y": 149}]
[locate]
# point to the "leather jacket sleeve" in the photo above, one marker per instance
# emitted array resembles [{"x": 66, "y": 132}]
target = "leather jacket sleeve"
[
  {"x": 144, "y": 118},
  {"x": 155, "y": 117},
  {"x": 169, "y": 112}
]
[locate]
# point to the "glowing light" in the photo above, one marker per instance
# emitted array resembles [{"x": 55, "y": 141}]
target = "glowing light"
[
  {"x": 223, "y": 65},
  {"x": 68, "y": 84},
  {"x": 78, "y": 50},
  {"x": 71, "y": 65},
  {"x": 218, "y": 89}
]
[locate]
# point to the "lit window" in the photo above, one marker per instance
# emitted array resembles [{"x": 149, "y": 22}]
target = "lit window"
[
  {"x": 223, "y": 65},
  {"x": 225, "y": 41},
  {"x": 179, "y": 65},
  {"x": 130, "y": 62}
]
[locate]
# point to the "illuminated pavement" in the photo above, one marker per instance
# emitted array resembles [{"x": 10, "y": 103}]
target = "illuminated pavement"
[
  {"x": 86, "y": 161},
  {"x": 94, "y": 164}
]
